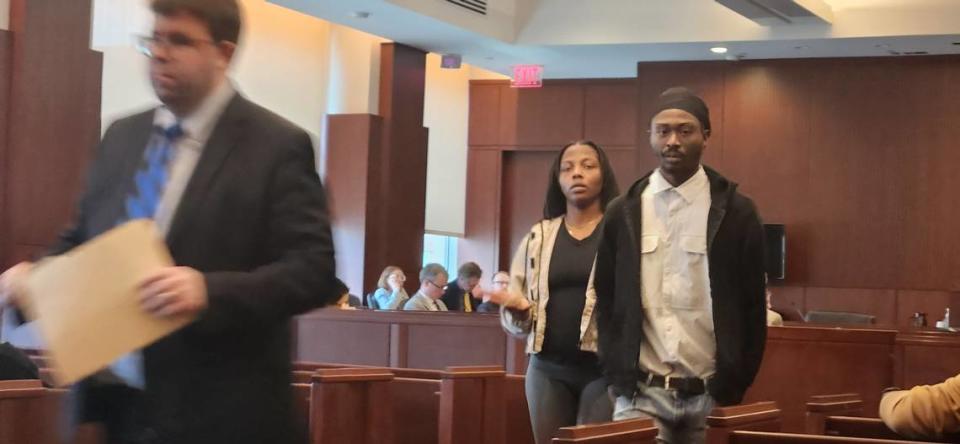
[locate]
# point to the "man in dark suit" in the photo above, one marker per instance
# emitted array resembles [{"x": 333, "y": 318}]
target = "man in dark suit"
[
  {"x": 233, "y": 188},
  {"x": 465, "y": 293}
]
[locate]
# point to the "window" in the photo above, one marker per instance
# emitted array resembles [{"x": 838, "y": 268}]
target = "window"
[{"x": 441, "y": 249}]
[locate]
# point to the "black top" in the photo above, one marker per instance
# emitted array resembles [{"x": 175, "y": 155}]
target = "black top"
[{"x": 570, "y": 266}]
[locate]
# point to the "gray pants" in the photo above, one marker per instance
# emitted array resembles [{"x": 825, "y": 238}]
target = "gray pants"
[
  {"x": 680, "y": 419},
  {"x": 564, "y": 395}
]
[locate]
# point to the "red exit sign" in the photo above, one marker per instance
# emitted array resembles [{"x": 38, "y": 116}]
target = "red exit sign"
[{"x": 527, "y": 76}]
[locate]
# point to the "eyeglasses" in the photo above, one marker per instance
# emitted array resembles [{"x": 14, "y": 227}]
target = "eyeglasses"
[
  {"x": 435, "y": 285},
  {"x": 147, "y": 44}
]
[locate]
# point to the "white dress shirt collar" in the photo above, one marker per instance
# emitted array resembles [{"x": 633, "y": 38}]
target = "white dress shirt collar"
[
  {"x": 688, "y": 190},
  {"x": 200, "y": 123}
]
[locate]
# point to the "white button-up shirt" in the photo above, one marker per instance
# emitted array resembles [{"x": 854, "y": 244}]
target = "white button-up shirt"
[{"x": 678, "y": 313}]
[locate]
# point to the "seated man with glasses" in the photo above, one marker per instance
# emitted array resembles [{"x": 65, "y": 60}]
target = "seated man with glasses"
[
  {"x": 501, "y": 280},
  {"x": 433, "y": 280}
]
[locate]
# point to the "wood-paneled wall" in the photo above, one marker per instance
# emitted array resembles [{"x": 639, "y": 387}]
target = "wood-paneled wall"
[
  {"x": 855, "y": 156},
  {"x": 50, "y": 120},
  {"x": 514, "y": 136},
  {"x": 377, "y": 176},
  {"x": 6, "y": 68}
]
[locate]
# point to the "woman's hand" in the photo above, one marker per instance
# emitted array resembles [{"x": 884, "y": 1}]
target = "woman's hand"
[
  {"x": 477, "y": 292},
  {"x": 506, "y": 299},
  {"x": 395, "y": 282}
]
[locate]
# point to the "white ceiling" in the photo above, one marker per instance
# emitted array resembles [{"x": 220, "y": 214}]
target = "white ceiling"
[{"x": 606, "y": 38}]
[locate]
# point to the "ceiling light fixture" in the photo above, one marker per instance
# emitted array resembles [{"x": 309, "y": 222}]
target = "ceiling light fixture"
[{"x": 719, "y": 50}]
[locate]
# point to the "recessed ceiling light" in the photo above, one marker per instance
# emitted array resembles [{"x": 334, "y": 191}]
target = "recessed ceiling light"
[
  {"x": 719, "y": 50},
  {"x": 360, "y": 14}
]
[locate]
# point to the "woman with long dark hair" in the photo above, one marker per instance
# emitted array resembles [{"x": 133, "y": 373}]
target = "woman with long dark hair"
[{"x": 547, "y": 300}]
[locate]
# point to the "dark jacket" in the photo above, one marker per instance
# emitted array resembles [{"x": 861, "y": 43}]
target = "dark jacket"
[
  {"x": 453, "y": 298},
  {"x": 253, "y": 219},
  {"x": 14, "y": 364},
  {"x": 735, "y": 256}
]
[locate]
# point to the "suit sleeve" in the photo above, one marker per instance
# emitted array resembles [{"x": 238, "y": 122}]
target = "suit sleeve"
[
  {"x": 77, "y": 232},
  {"x": 412, "y": 305},
  {"x": 753, "y": 281},
  {"x": 925, "y": 411},
  {"x": 450, "y": 296},
  {"x": 299, "y": 272}
]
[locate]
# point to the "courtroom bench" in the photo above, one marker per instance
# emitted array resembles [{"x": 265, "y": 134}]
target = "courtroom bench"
[
  {"x": 759, "y": 416},
  {"x": 800, "y": 362},
  {"x": 630, "y": 431},
  {"x": 407, "y": 339},
  {"x": 462, "y": 405},
  {"x": 722, "y": 421},
  {"x": 30, "y": 413},
  {"x": 748, "y": 437},
  {"x": 841, "y": 415},
  {"x": 819, "y": 407}
]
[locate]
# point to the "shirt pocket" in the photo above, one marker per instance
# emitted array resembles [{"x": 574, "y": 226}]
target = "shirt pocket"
[
  {"x": 648, "y": 243},
  {"x": 694, "y": 244},
  {"x": 693, "y": 283},
  {"x": 651, "y": 267}
]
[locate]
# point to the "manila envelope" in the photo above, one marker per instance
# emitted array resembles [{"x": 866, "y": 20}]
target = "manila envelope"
[{"x": 86, "y": 304}]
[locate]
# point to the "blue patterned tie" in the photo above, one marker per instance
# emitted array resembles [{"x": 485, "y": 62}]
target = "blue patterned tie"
[
  {"x": 149, "y": 183},
  {"x": 152, "y": 175}
]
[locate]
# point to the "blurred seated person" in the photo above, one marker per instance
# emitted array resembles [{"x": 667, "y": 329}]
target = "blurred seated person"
[
  {"x": 390, "y": 294},
  {"x": 925, "y": 411},
  {"x": 15, "y": 364},
  {"x": 465, "y": 294},
  {"x": 501, "y": 280},
  {"x": 433, "y": 280},
  {"x": 773, "y": 318},
  {"x": 346, "y": 301}
]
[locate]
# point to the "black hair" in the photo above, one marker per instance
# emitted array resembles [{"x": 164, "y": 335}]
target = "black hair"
[{"x": 555, "y": 204}]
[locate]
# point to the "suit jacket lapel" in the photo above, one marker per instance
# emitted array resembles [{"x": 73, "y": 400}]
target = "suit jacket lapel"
[
  {"x": 122, "y": 158},
  {"x": 132, "y": 157},
  {"x": 223, "y": 139}
]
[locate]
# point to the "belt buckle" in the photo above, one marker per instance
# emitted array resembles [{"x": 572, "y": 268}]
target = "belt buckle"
[{"x": 666, "y": 382}]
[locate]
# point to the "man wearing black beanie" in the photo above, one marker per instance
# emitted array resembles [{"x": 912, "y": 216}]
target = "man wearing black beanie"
[{"x": 689, "y": 333}]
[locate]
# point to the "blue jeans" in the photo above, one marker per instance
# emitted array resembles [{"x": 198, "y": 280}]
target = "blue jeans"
[{"x": 680, "y": 419}]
